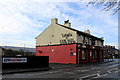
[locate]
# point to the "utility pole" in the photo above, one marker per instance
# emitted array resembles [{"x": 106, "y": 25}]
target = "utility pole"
[{"x": 24, "y": 50}]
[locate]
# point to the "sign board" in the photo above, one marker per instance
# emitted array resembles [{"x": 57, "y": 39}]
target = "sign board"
[{"x": 14, "y": 60}]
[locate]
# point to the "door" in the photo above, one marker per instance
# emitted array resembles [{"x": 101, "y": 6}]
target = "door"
[{"x": 83, "y": 55}]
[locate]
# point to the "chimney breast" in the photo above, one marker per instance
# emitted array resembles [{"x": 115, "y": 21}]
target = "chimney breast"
[
  {"x": 66, "y": 23},
  {"x": 54, "y": 21}
]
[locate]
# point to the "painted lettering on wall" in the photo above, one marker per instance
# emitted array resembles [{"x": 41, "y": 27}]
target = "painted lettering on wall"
[
  {"x": 65, "y": 41},
  {"x": 67, "y": 35}
]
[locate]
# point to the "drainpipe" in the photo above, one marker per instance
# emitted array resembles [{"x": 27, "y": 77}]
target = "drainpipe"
[{"x": 78, "y": 55}]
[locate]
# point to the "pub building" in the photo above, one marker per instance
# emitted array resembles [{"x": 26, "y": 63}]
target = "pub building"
[{"x": 64, "y": 44}]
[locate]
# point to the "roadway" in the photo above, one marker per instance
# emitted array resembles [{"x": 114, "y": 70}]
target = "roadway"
[{"x": 75, "y": 72}]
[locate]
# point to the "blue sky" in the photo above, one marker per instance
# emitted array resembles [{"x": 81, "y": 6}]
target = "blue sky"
[{"x": 22, "y": 21}]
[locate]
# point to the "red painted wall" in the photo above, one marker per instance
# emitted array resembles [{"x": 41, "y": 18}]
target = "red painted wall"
[
  {"x": 65, "y": 54},
  {"x": 58, "y": 53}
]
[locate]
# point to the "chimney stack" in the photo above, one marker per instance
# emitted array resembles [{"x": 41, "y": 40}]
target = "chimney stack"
[
  {"x": 66, "y": 23},
  {"x": 54, "y": 21},
  {"x": 87, "y": 31}
]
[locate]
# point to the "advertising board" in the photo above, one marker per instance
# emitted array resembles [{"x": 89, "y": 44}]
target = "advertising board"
[{"x": 14, "y": 60}]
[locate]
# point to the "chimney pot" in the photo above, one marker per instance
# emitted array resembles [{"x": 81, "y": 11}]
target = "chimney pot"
[
  {"x": 87, "y": 31},
  {"x": 66, "y": 23}
]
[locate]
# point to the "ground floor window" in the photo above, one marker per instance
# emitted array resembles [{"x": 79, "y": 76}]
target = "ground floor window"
[
  {"x": 83, "y": 54},
  {"x": 90, "y": 54},
  {"x": 93, "y": 55}
]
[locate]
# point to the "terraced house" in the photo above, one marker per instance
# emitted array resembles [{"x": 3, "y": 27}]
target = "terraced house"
[{"x": 63, "y": 44}]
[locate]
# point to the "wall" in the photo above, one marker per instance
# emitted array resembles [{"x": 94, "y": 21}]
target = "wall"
[
  {"x": 80, "y": 38},
  {"x": 31, "y": 62},
  {"x": 55, "y": 34},
  {"x": 59, "y": 53},
  {"x": 2, "y": 51}
]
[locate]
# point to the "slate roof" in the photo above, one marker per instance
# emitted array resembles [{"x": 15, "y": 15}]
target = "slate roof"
[{"x": 80, "y": 32}]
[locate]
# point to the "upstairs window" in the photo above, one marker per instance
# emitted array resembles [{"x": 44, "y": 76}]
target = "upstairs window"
[{"x": 92, "y": 41}]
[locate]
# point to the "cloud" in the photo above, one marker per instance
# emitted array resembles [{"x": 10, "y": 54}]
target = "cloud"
[{"x": 22, "y": 21}]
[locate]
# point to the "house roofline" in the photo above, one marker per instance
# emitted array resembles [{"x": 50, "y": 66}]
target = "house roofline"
[{"x": 81, "y": 32}]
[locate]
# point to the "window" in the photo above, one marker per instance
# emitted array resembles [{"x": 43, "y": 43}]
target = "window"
[
  {"x": 71, "y": 52},
  {"x": 97, "y": 43},
  {"x": 93, "y": 55},
  {"x": 90, "y": 53},
  {"x": 92, "y": 41},
  {"x": 83, "y": 54},
  {"x": 40, "y": 51}
]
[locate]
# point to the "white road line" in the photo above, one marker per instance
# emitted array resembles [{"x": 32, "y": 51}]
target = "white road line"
[
  {"x": 98, "y": 75},
  {"x": 85, "y": 76},
  {"x": 69, "y": 72},
  {"x": 109, "y": 71},
  {"x": 89, "y": 76},
  {"x": 93, "y": 68},
  {"x": 104, "y": 75},
  {"x": 117, "y": 71},
  {"x": 82, "y": 70}
]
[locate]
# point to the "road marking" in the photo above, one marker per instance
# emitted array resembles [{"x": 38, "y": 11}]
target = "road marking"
[
  {"x": 104, "y": 75},
  {"x": 85, "y": 76},
  {"x": 98, "y": 75},
  {"x": 109, "y": 71},
  {"x": 82, "y": 70},
  {"x": 113, "y": 70},
  {"x": 93, "y": 68},
  {"x": 117, "y": 71},
  {"x": 69, "y": 72},
  {"x": 89, "y": 76}
]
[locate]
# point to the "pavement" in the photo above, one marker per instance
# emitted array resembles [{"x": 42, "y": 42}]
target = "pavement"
[{"x": 19, "y": 70}]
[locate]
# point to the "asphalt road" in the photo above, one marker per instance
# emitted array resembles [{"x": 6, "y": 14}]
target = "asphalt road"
[{"x": 78, "y": 72}]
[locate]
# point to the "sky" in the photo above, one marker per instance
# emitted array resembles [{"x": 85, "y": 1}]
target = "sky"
[{"x": 21, "y": 21}]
